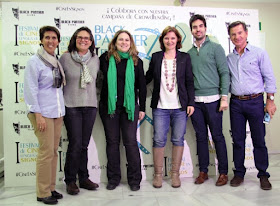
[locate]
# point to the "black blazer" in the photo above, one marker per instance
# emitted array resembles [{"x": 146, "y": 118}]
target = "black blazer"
[{"x": 184, "y": 77}]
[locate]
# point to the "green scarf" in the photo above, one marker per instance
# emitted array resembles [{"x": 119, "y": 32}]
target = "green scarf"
[{"x": 129, "y": 96}]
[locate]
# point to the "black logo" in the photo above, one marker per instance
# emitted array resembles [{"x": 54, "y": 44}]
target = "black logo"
[
  {"x": 17, "y": 127},
  {"x": 58, "y": 22},
  {"x": 17, "y": 67},
  {"x": 16, "y": 12}
]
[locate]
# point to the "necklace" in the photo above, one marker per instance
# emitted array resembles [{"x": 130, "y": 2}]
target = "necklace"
[{"x": 170, "y": 89}]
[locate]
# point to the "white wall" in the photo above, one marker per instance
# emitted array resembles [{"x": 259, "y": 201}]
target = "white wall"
[{"x": 269, "y": 16}]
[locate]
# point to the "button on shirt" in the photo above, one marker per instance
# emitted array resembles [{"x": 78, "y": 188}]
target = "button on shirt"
[
  {"x": 39, "y": 94},
  {"x": 251, "y": 73}
]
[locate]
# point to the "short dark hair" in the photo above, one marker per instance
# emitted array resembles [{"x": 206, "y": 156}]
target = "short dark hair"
[
  {"x": 167, "y": 30},
  {"x": 197, "y": 17},
  {"x": 72, "y": 44},
  {"x": 236, "y": 23},
  {"x": 44, "y": 29}
]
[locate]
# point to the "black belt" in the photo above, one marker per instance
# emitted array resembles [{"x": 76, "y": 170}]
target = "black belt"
[{"x": 246, "y": 97}]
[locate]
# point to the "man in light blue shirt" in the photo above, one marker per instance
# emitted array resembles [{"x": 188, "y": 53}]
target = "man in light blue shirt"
[{"x": 251, "y": 75}]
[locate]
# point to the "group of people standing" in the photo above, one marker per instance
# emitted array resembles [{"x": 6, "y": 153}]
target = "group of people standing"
[{"x": 194, "y": 84}]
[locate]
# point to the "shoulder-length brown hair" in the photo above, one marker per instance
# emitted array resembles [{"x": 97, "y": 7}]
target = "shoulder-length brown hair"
[
  {"x": 112, "y": 49},
  {"x": 72, "y": 44},
  {"x": 167, "y": 30}
]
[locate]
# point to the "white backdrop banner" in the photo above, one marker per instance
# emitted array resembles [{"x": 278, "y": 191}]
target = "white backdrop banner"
[{"x": 20, "y": 27}]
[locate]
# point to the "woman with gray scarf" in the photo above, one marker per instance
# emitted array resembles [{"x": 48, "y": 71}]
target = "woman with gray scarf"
[
  {"x": 81, "y": 66},
  {"x": 43, "y": 78}
]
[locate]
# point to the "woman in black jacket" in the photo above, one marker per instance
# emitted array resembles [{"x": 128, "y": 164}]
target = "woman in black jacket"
[
  {"x": 172, "y": 101},
  {"x": 123, "y": 82}
]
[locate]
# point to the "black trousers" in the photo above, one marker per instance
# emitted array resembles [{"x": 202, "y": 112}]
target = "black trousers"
[
  {"x": 116, "y": 126},
  {"x": 79, "y": 123}
]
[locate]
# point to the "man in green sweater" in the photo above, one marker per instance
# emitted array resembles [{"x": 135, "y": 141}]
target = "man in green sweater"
[{"x": 211, "y": 82}]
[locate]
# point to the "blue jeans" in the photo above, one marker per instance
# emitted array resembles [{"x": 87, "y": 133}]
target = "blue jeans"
[
  {"x": 163, "y": 118},
  {"x": 208, "y": 114},
  {"x": 252, "y": 111},
  {"x": 79, "y": 123}
]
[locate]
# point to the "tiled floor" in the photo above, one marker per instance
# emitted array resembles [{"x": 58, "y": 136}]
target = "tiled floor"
[{"x": 189, "y": 194}]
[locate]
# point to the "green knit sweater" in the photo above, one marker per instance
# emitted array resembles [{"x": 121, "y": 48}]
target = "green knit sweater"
[{"x": 210, "y": 69}]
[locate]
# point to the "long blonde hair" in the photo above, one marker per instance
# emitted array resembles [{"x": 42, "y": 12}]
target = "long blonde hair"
[{"x": 112, "y": 49}]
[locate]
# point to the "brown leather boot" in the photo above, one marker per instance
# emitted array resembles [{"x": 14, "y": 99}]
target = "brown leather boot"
[
  {"x": 177, "y": 153},
  {"x": 158, "y": 166}
]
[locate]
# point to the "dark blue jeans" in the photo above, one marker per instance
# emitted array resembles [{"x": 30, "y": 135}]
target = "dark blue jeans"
[
  {"x": 252, "y": 111},
  {"x": 208, "y": 114},
  {"x": 79, "y": 123},
  {"x": 113, "y": 126}
]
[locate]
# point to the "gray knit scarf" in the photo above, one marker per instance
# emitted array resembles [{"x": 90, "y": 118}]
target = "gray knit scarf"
[{"x": 86, "y": 78}]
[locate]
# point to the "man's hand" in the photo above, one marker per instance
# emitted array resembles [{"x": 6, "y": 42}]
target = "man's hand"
[
  {"x": 223, "y": 104},
  {"x": 270, "y": 107}
]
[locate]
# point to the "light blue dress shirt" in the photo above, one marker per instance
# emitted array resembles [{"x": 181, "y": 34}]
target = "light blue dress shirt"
[
  {"x": 39, "y": 94},
  {"x": 251, "y": 73}
]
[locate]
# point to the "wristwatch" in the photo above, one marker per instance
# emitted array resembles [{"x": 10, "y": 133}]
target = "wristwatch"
[{"x": 271, "y": 97}]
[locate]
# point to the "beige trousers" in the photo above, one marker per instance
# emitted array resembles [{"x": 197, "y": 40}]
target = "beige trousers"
[{"x": 47, "y": 154}]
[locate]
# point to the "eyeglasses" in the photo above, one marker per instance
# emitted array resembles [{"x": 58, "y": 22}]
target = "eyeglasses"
[{"x": 80, "y": 38}]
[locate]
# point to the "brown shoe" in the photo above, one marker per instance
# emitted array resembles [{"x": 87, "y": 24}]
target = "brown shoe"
[
  {"x": 201, "y": 178},
  {"x": 236, "y": 181},
  {"x": 222, "y": 180},
  {"x": 88, "y": 184},
  {"x": 72, "y": 188},
  {"x": 265, "y": 184}
]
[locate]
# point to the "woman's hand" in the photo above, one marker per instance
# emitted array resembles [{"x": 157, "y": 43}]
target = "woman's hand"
[
  {"x": 41, "y": 122},
  {"x": 190, "y": 110},
  {"x": 141, "y": 115}
]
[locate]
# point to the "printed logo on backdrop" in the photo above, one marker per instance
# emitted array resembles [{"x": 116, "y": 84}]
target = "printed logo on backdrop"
[
  {"x": 184, "y": 168},
  {"x": 103, "y": 35},
  {"x": 26, "y": 35},
  {"x": 17, "y": 67},
  {"x": 20, "y": 112},
  {"x": 17, "y": 127},
  {"x": 206, "y": 16},
  {"x": 25, "y": 174},
  {"x": 25, "y": 54},
  {"x": 58, "y": 22},
  {"x": 17, "y": 12},
  {"x": 26, "y": 152},
  {"x": 19, "y": 96},
  {"x": 61, "y": 154},
  {"x": 63, "y": 45},
  {"x": 69, "y": 8},
  {"x": 237, "y": 13}
]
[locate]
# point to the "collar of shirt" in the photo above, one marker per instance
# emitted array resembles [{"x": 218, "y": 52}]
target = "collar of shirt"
[
  {"x": 205, "y": 40},
  {"x": 247, "y": 48}
]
